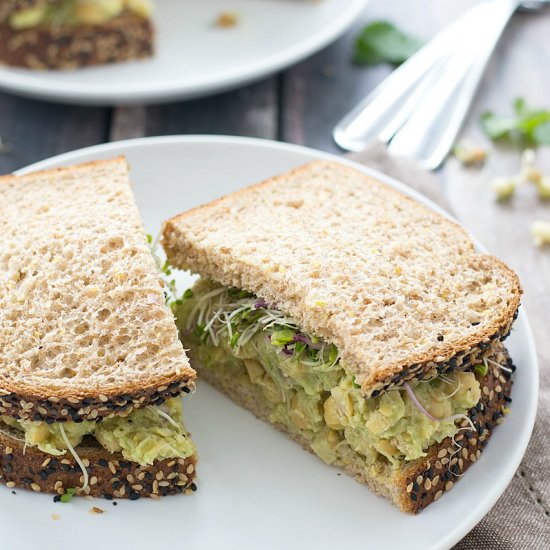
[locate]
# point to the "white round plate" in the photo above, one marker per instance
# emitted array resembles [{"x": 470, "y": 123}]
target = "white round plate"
[
  {"x": 194, "y": 57},
  {"x": 258, "y": 489}
]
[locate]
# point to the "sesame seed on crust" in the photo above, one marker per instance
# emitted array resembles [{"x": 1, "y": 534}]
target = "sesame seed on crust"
[
  {"x": 23, "y": 470},
  {"x": 430, "y": 369},
  {"x": 465, "y": 452},
  {"x": 69, "y": 409}
]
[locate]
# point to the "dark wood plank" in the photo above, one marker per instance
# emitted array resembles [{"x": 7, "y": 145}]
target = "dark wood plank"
[
  {"x": 128, "y": 122},
  {"x": 34, "y": 130},
  {"x": 249, "y": 111}
]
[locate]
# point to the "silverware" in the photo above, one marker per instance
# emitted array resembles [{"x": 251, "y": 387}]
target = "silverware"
[{"x": 419, "y": 109}]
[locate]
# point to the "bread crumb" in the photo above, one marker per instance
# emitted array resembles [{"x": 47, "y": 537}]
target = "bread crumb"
[
  {"x": 540, "y": 230},
  {"x": 96, "y": 510},
  {"x": 504, "y": 188},
  {"x": 470, "y": 154},
  {"x": 226, "y": 20},
  {"x": 56, "y": 517}
]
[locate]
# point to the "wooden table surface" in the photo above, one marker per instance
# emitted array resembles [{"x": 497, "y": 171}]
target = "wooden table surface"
[{"x": 302, "y": 104}]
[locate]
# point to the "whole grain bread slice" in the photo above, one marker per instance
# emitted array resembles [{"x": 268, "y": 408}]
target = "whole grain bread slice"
[
  {"x": 397, "y": 287},
  {"x": 84, "y": 329},
  {"x": 110, "y": 474},
  {"x": 415, "y": 484},
  {"x": 125, "y": 37}
]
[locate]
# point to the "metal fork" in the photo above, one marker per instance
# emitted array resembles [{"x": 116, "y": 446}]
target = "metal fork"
[{"x": 419, "y": 109}]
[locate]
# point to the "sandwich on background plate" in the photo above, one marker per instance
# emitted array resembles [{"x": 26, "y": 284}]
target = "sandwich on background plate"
[
  {"x": 68, "y": 34},
  {"x": 354, "y": 318},
  {"x": 91, "y": 368}
]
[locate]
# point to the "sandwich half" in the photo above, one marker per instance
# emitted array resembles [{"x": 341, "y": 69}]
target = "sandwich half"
[
  {"x": 68, "y": 34},
  {"x": 352, "y": 317},
  {"x": 91, "y": 368}
]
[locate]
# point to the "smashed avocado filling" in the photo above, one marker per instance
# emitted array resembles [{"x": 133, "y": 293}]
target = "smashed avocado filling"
[
  {"x": 77, "y": 12},
  {"x": 144, "y": 436},
  {"x": 307, "y": 387}
]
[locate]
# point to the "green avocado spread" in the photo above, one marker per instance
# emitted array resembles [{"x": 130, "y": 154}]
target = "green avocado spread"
[
  {"x": 76, "y": 12},
  {"x": 306, "y": 386},
  {"x": 143, "y": 436}
]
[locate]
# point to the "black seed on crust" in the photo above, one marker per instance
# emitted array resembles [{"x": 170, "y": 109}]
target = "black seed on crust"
[
  {"x": 56, "y": 409},
  {"x": 427, "y": 370}
]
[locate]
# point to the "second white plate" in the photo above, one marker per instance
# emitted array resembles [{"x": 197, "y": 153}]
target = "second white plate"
[
  {"x": 258, "y": 489},
  {"x": 194, "y": 57}
]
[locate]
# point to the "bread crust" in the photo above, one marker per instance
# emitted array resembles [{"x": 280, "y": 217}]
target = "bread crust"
[
  {"x": 66, "y": 402},
  {"x": 110, "y": 474},
  {"x": 128, "y": 36},
  {"x": 91, "y": 407},
  {"x": 419, "y": 482},
  {"x": 186, "y": 252}
]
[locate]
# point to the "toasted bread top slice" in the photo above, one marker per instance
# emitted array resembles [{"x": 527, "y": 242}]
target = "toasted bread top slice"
[
  {"x": 396, "y": 286},
  {"x": 84, "y": 329}
]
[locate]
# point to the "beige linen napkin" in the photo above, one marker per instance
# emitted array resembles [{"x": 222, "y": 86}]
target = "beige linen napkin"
[{"x": 521, "y": 518}]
